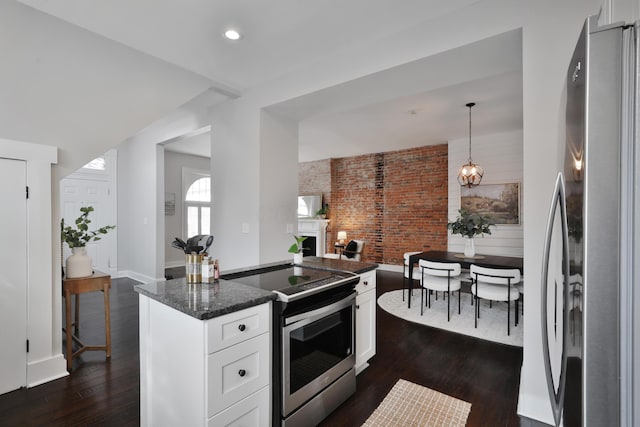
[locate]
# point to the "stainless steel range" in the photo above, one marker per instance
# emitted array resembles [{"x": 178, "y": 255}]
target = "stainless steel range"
[{"x": 314, "y": 339}]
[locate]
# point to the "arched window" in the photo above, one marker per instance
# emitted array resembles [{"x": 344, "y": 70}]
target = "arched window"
[{"x": 198, "y": 207}]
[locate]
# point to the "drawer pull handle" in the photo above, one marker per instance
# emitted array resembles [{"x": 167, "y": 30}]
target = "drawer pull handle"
[
  {"x": 242, "y": 372},
  {"x": 357, "y": 307},
  {"x": 242, "y": 327},
  {"x": 365, "y": 283}
]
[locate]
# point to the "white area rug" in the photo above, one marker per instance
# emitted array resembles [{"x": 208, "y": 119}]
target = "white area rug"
[
  {"x": 492, "y": 324},
  {"x": 412, "y": 405}
]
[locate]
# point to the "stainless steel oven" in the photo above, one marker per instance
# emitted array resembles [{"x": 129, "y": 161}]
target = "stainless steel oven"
[{"x": 318, "y": 358}]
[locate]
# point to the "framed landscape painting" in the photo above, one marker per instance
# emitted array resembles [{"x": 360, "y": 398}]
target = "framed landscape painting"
[{"x": 501, "y": 201}]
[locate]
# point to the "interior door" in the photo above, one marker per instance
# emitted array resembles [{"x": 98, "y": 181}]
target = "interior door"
[
  {"x": 77, "y": 193},
  {"x": 13, "y": 280},
  {"x": 93, "y": 185}
]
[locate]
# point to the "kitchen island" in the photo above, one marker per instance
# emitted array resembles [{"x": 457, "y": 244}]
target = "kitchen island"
[{"x": 206, "y": 350}]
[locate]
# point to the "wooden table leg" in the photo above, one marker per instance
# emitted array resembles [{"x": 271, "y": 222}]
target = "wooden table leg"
[
  {"x": 76, "y": 319},
  {"x": 67, "y": 302},
  {"x": 75, "y": 286},
  {"x": 107, "y": 320}
]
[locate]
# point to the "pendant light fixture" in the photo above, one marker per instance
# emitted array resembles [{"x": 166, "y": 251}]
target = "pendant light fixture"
[{"x": 470, "y": 174}]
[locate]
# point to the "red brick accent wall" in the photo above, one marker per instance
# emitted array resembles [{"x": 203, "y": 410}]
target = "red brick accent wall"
[
  {"x": 415, "y": 201},
  {"x": 357, "y": 201},
  {"x": 396, "y": 201}
]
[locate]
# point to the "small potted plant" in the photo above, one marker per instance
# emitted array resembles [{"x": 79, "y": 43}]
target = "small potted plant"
[
  {"x": 470, "y": 225},
  {"x": 296, "y": 249},
  {"x": 323, "y": 211},
  {"x": 79, "y": 263}
]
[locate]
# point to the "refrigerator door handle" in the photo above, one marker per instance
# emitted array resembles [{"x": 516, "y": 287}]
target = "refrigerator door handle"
[{"x": 556, "y": 391}]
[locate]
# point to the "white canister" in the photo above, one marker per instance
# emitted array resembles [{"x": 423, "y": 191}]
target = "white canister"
[{"x": 208, "y": 274}]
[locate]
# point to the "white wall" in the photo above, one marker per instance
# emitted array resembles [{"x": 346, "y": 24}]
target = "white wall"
[
  {"x": 501, "y": 157},
  {"x": 254, "y": 164},
  {"x": 138, "y": 241},
  {"x": 235, "y": 168},
  {"x": 141, "y": 254},
  {"x": 173, "y": 164},
  {"x": 278, "y": 181}
]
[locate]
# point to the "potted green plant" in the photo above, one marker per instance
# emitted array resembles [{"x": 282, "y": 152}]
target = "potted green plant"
[
  {"x": 469, "y": 225},
  {"x": 296, "y": 249},
  {"x": 323, "y": 211},
  {"x": 77, "y": 237}
]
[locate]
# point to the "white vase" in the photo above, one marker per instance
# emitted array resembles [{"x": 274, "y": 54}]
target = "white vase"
[
  {"x": 78, "y": 264},
  {"x": 297, "y": 258},
  {"x": 469, "y": 248}
]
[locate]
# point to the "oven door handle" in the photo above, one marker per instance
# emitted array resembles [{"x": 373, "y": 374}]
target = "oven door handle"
[{"x": 322, "y": 311}]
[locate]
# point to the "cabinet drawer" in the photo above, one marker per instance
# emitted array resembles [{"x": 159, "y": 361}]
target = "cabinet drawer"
[
  {"x": 236, "y": 372},
  {"x": 249, "y": 412},
  {"x": 236, "y": 327},
  {"x": 367, "y": 282}
]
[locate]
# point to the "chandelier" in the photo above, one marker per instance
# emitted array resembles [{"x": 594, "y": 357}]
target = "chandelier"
[{"x": 470, "y": 174}]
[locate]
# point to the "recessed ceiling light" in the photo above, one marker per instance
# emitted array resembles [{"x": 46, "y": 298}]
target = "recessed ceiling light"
[{"x": 232, "y": 34}]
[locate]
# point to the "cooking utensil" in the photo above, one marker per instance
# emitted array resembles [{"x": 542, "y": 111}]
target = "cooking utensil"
[
  {"x": 181, "y": 242},
  {"x": 191, "y": 249},
  {"x": 208, "y": 244},
  {"x": 195, "y": 240}
]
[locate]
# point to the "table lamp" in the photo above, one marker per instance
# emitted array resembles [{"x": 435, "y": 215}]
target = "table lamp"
[{"x": 342, "y": 236}]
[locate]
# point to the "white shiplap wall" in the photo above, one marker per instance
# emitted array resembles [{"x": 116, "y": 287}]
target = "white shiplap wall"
[{"x": 501, "y": 157}]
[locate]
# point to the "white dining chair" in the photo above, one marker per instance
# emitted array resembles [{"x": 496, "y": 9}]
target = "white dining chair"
[
  {"x": 405, "y": 273},
  {"x": 495, "y": 284},
  {"x": 439, "y": 277}
]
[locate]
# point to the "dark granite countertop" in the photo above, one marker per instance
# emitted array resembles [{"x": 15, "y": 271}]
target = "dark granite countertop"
[
  {"x": 308, "y": 261},
  {"x": 338, "y": 264},
  {"x": 205, "y": 301}
]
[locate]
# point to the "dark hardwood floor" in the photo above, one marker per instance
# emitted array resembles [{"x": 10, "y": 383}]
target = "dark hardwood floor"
[
  {"x": 98, "y": 392},
  {"x": 106, "y": 393},
  {"x": 483, "y": 373}
]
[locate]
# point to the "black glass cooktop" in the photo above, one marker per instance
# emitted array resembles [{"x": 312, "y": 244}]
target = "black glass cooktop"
[{"x": 289, "y": 280}]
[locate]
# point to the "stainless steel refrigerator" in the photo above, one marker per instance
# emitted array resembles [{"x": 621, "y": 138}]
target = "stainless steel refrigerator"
[{"x": 588, "y": 264}]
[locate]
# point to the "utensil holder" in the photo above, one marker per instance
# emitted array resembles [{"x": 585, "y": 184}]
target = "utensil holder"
[{"x": 193, "y": 266}]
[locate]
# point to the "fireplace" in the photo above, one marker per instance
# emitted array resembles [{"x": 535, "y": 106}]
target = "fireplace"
[
  {"x": 310, "y": 246},
  {"x": 316, "y": 232}
]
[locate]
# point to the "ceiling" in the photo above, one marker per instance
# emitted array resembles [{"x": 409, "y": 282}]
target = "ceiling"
[
  {"x": 415, "y": 104},
  {"x": 196, "y": 145}
]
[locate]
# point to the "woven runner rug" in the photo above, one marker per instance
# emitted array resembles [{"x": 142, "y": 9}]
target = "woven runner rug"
[{"x": 412, "y": 405}]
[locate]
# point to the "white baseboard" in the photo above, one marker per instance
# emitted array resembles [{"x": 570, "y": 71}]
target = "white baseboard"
[
  {"x": 143, "y": 278},
  {"x": 390, "y": 267},
  {"x": 173, "y": 264},
  {"x": 45, "y": 370}
]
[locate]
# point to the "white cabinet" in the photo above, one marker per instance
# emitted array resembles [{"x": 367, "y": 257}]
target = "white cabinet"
[
  {"x": 251, "y": 411},
  {"x": 365, "y": 320},
  {"x": 237, "y": 372},
  {"x": 204, "y": 372}
]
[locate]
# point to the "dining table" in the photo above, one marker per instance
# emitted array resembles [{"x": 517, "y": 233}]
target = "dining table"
[{"x": 490, "y": 261}]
